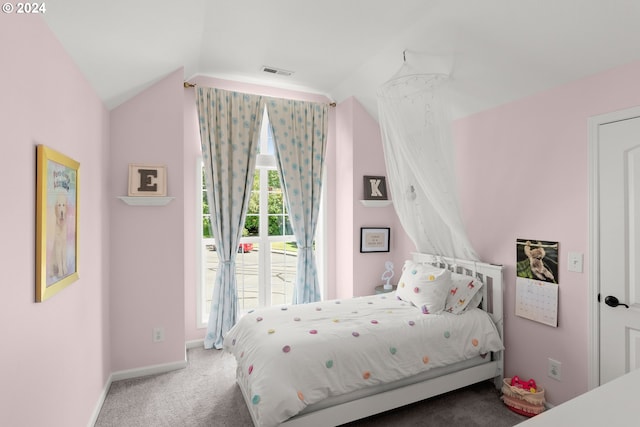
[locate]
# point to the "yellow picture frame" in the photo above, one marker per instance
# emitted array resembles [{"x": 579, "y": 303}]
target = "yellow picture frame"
[{"x": 57, "y": 197}]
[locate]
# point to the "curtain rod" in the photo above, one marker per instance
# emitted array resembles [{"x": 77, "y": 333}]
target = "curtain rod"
[{"x": 188, "y": 85}]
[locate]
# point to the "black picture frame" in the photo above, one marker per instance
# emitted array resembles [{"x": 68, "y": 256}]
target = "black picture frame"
[
  {"x": 374, "y": 239},
  {"x": 375, "y": 187},
  {"x": 537, "y": 260}
]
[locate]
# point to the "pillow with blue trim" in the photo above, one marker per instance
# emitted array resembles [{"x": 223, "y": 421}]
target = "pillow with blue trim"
[{"x": 424, "y": 286}]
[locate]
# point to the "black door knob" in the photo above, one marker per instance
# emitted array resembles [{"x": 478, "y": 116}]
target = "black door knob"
[{"x": 612, "y": 301}]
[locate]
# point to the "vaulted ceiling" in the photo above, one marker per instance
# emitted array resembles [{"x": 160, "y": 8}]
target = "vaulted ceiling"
[{"x": 498, "y": 50}]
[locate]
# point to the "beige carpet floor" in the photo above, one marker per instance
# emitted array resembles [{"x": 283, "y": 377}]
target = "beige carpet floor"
[{"x": 205, "y": 394}]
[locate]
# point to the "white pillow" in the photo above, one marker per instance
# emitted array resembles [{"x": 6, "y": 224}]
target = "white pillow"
[
  {"x": 463, "y": 293},
  {"x": 425, "y": 286}
]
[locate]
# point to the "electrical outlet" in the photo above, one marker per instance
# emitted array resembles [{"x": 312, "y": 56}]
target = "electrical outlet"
[
  {"x": 158, "y": 334},
  {"x": 554, "y": 370}
]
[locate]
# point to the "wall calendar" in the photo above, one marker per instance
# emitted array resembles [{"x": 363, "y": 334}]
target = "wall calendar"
[
  {"x": 537, "y": 301},
  {"x": 537, "y": 281}
]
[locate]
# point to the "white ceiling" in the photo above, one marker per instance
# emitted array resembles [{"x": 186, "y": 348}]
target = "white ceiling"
[{"x": 500, "y": 50}]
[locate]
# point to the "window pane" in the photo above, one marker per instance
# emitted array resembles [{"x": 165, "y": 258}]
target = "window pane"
[
  {"x": 284, "y": 258},
  {"x": 276, "y": 203},
  {"x": 247, "y": 277},
  {"x": 270, "y": 143},
  {"x": 276, "y": 225},
  {"x": 274, "y": 180},
  {"x": 279, "y": 225},
  {"x": 206, "y": 227},
  {"x": 252, "y": 221},
  {"x": 206, "y": 219},
  {"x": 209, "y": 279},
  {"x": 251, "y": 226},
  {"x": 205, "y": 202}
]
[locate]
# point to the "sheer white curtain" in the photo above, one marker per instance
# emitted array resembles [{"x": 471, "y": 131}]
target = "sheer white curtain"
[
  {"x": 416, "y": 132},
  {"x": 229, "y": 131}
]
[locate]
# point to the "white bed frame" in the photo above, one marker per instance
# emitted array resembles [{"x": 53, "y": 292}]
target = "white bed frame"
[{"x": 353, "y": 410}]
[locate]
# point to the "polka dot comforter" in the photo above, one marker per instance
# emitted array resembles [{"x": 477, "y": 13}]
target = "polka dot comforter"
[{"x": 293, "y": 356}]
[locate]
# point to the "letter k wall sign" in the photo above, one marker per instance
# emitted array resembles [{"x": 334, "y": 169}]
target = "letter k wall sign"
[
  {"x": 375, "y": 188},
  {"x": 147, "y": 180}
]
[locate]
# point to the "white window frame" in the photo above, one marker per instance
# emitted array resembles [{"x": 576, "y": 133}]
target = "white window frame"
[{"x": 201, "y": 300}]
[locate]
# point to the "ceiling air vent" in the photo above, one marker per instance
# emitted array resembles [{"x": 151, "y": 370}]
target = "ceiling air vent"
[{"x": 278, "y": 71}]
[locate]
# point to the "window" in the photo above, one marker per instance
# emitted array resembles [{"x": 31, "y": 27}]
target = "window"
[{"x": 267, "y": 255}]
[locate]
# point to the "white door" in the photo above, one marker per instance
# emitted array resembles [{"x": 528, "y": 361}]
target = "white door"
[{"x": 619, "y": 252}]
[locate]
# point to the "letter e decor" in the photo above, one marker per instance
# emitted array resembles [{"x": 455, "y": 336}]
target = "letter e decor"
[{"x": 145, "y": 180}]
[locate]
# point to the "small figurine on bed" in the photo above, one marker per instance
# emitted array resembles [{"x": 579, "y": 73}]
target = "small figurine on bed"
[{"x": 387, "y": 275}]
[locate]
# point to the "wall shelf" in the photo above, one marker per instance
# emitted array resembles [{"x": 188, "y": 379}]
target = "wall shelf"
[
  {"x": 375, "y": 203},
  {"x": 146, "y": 201}
]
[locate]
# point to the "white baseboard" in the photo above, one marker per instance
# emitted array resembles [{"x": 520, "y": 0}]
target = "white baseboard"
[
  {"x": 98, "y": 408},
  {"x": 194, "y": 344},
  {"x": 136, "y": 373},
  {"x": 148, "y": 370}
]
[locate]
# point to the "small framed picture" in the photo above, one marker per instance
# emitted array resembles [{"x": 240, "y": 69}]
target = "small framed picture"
[
  {"x": 147, "y": 180},
  {"x": 374, "y": 239},
  {"x": 375, "y": 188},
  {"x": 537, "y": 260}
]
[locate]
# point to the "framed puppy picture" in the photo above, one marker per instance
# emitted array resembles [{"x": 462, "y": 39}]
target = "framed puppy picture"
[
  {"x": 147, "y": 180},
  {"x": 56, "y": 222}
]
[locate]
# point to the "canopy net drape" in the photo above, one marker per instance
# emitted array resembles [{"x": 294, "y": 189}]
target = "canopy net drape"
[{"x": 415, "y": 122}]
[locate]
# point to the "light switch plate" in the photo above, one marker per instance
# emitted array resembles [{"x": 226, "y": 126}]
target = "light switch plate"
[{"x": 575, "y": 262}]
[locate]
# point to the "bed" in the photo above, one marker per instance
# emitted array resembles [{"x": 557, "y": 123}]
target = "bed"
[{"x": 332, "y": 362}]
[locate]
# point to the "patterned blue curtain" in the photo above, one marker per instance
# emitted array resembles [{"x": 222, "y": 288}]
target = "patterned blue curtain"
[
  {"x": 229, "y": 131},
  {"x": 300, "y": 134}
]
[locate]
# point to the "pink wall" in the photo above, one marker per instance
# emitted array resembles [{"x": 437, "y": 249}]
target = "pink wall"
[
  {"x": 147, "y": 246},
  {"x": 54, "y": 358},
  {"x": 522, "y": 173},
  {"x": 343, "y": 196},
  {"x": 359, "y": 152},
  {"x": 191, "y": 166}
]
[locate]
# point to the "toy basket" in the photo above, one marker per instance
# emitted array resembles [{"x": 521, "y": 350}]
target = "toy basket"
[{"x": 521, "y": 401}]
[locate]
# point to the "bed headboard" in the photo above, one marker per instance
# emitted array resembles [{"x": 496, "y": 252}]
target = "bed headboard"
[{"x": 489, "y": 274}]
